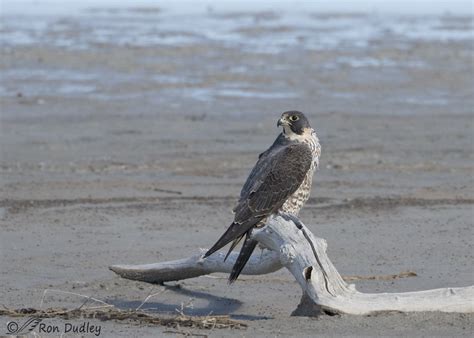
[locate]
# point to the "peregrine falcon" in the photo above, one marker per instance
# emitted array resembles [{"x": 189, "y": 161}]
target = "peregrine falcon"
[{"x": 280, "y": 182}]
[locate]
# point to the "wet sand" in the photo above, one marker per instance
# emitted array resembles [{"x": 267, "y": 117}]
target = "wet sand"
[{"x": 142, "y": 158}]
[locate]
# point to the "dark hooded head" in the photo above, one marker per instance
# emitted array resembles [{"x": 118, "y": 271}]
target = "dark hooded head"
[{"x": 293, "y": 122}]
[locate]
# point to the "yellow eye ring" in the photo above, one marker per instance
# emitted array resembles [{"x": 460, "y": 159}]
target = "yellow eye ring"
[{"x": 294, "y": 118}]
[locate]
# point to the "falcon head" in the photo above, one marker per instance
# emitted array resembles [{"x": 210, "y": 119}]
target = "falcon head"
[{"x": 293, "y": 122}]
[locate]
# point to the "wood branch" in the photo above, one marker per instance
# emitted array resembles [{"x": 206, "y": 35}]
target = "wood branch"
[
  {"x": 293, "y": 246},
  {"x": 259, "y": 263},
  {"x": 324, "y": 286}
]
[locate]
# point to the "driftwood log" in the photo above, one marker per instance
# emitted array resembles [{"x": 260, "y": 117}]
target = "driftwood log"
[{"x": 290, "y": 244}]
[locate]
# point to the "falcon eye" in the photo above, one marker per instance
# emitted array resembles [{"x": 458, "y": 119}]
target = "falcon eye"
[{"x": 294, "y": 118}]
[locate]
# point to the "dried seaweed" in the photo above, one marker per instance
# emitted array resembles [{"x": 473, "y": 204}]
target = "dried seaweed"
[
  {"x": 404, "y": 274},
  {"x": 138, "y": 317}
]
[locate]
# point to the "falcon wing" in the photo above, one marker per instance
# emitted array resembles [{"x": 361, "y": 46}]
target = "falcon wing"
[
  {"x": 260, "y": 166},
  {"x": 278, "y": 176}
]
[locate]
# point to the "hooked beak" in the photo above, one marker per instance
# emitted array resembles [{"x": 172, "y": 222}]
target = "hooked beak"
[{"x": 281, "y": 122}]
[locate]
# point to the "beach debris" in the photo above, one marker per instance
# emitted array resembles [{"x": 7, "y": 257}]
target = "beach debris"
[{"x": 133, "y": 316}]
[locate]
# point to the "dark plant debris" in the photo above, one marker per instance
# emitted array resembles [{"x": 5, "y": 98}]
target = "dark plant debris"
[{"x": 138, "y": 317}]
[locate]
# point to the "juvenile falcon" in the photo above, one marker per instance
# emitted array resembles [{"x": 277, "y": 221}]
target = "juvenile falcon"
[{"x": 279, "y": 182}]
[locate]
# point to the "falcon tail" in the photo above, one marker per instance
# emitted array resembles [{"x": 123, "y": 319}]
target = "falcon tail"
[
  {"x": 232, "y": 246},
  {"x": 244, "y": 255},
  {"x": 235, "y": 231}
]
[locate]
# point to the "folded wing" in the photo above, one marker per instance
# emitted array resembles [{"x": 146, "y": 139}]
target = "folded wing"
[{"x": 275, "y": 177}]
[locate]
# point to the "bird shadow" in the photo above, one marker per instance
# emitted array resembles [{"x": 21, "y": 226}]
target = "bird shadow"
[{"x": 215, "y": 305}]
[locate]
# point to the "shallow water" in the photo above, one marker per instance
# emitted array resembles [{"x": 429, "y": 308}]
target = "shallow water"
[
  {"x": 205, "y": 53},
  {"x": 269, "y": 31}
]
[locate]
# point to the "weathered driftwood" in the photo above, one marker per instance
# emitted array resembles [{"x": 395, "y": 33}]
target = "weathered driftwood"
[
  {"x": 292, "y": 245},
  {"x": 194, "y": 266}
]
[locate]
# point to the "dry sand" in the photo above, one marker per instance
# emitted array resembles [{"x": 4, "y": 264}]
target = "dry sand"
[{"x": 141, "y": 171}]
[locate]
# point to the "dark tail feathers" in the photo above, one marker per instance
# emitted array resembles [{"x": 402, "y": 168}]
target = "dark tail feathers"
[
  {"x": 235, "y": 231},
  {"x": 244, "y": 255},
  {"x": 232, "y": 246}
]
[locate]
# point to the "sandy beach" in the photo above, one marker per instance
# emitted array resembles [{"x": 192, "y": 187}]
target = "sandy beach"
[{"x": 123, "y": 150}]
